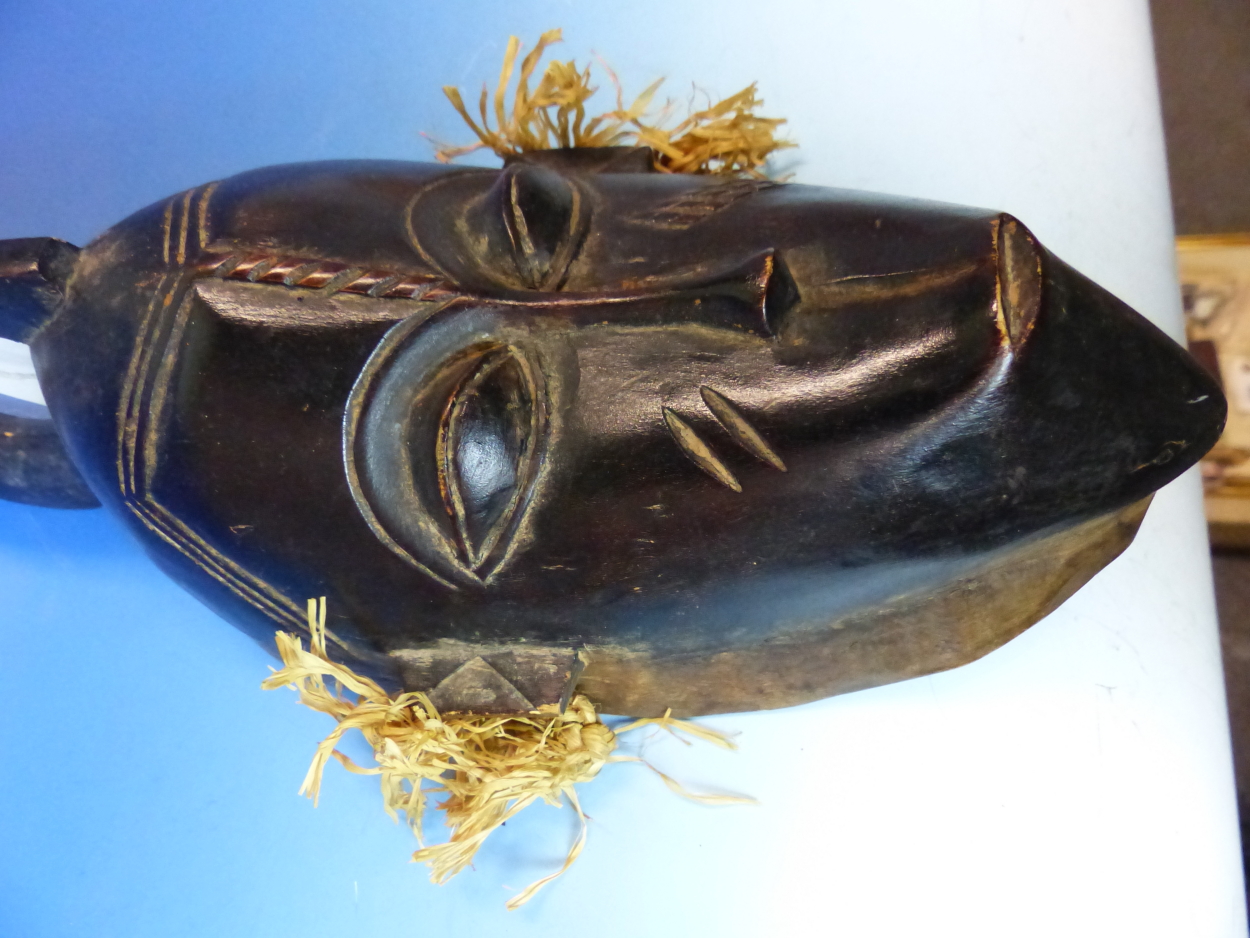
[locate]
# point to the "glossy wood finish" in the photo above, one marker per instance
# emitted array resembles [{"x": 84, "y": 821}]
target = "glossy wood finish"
[{"x": 714, "y": 445}]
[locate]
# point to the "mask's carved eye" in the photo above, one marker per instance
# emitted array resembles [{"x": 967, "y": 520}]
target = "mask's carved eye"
[
  {"x": 444, "y": 439},
  {"x": 781, "y": 294},
  {"x": 483, "y": 453}
]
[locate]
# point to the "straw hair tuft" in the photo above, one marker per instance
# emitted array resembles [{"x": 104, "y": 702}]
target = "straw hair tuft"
[{"x": 727, "y": 138}]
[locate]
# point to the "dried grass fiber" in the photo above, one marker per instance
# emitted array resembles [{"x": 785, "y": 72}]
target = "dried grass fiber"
[
  {"x": 727, "y": 138},
  {"x": 490, "y": 766}
]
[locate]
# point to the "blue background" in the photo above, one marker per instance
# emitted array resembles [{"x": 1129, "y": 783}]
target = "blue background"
[
  {"x": 1075, "y": 782},
  {"x": 149, "y": 786}
]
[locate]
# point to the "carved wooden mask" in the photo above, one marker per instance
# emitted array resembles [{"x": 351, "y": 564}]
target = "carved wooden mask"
[{"x": 683, "y": 442}]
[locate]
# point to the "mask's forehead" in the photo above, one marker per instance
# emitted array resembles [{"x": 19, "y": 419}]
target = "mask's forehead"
[
  {"x": 606, "y": 232},
  {"x": 353, "y": 212},
  {"x": 651, "y": 226}
]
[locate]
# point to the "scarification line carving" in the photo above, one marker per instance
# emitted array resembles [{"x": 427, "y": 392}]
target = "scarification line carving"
[
  {"x": 690, "y": 208},
  {"x": 259, "y": 270},
  {"x": 128, "y": 424},
  {"x": 328, "y": 276},
  {"x": 167, "y": 225},
  {"x": 138, "y": 427},
  {"x": 865, "y": 288},
  {"x": 226, "y": 266},
  {"x": 698, "y": 451},
  {"x": 738, "y": 428},
  {"x": 298, "y": 273},
  {"x": 141, "y": 408},
  {"x": 202, "y": 215},
  {"x": 184, "y": 224}
]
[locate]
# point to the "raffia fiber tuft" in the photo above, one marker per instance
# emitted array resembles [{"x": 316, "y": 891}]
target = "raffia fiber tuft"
[
  {"x": 727, "y": 138},
  {"x": 491, "y": 766}
]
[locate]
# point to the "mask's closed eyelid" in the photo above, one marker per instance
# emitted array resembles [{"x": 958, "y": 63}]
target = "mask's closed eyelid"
[
  {"x": 445, "y": 438},
  {"x": 781, "y": 294},
  {"x": 484, "y": 443},
  {"x": 1020, "y": 279},
  {"x": 540, "y": 213}
]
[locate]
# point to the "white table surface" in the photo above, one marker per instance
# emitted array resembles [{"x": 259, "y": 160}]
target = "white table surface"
[{"x": 1076, "y": 782}]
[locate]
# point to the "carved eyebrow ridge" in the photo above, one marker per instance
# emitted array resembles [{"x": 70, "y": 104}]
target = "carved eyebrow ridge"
[
  {"x": 699, "y": 452},
  {"x": 738, "y": 428}
]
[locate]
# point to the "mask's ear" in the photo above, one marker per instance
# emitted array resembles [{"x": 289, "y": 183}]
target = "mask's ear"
[
  {"x": 34, "y": 467},
  {"x": 33, "y": 273}
]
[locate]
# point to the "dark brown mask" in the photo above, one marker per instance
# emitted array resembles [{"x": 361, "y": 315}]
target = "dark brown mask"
[{"x": 691, "y": 443}]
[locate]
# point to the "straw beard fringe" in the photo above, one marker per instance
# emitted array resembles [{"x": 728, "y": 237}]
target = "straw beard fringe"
[{"x": 491, "y": 766}]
